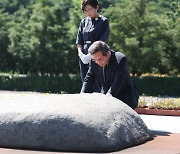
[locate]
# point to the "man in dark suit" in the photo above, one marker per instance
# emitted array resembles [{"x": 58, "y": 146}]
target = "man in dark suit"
[{"x": 111, "y": 71}]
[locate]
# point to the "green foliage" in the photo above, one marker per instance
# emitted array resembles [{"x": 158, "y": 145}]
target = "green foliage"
[
  {"x": 11, "y": 6},
  {"x": 40, "y": 47},
  {"x": 160, "y": 103},
  {"x": 5, "y": 58},
  {"x": 38, "y": 36},
  {"x": 142, "y": 103},
  {"x": 48, "y": 84},
  {"x": 158, "y": 86},
  {"x": 149, "y": 85},
  {"x": 144, "y": 35},
  {"x": 170, "y": 104}
]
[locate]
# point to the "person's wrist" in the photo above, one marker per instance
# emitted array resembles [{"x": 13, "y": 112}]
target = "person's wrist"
[
  {"x": 80, "y": 54},
  {"x": 88, "y": 57},
  {"x": 108, "y": 94}
]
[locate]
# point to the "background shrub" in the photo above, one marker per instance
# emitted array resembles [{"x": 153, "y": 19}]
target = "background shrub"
[
  {"x": 158, "y": 86},
  {"x": 147, "y": 85}
]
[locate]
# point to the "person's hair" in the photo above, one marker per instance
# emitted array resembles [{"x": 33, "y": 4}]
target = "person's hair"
[
  {"x": 99, "y": 46},
  {"x": 93, "y": 3}
]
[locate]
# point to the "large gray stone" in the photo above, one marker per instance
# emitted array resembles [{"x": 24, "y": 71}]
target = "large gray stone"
[{"x": 69, "y": 122}]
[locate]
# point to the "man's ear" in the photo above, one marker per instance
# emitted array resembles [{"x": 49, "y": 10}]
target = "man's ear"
[
  {"x": 97, "y": 8},
  {"x": 108, "y": 53}
]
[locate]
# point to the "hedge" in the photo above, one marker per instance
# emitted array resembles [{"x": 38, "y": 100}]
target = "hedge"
[
  {"x": 48, "y": 84},
  {"x": 147, "y": 85},
  {"x": 158, "y": 86}
]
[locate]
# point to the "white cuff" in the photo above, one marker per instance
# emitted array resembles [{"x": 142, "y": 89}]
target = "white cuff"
[
  {"x": 80, "y": 54},
  {"x": 88, "y": 57},
  {"x": 85, "y": 58}
]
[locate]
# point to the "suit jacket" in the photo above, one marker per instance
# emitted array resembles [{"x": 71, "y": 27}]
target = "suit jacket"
[{"x": 114, "y": 79}]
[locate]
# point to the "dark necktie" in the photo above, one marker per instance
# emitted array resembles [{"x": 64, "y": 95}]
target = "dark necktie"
[{"x": 104, "y": 73}]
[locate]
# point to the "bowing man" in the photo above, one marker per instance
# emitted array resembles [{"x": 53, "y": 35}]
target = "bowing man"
[{"x": 110, "y": 69}]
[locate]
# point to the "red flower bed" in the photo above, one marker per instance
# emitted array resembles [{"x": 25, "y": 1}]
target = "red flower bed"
[{"x": 142, "y": 110}]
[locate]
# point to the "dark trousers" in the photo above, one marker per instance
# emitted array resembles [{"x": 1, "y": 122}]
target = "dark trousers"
[{"x": 83, "y": 71}]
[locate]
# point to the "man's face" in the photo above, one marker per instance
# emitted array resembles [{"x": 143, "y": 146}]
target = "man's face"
[{"x": 100, "y": 59}]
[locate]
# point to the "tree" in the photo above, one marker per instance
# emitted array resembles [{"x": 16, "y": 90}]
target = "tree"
[
  {"x": 42, "y": 45},
  {"x": 6, "y": 62},
  {"x": 139, "y": 31},
  {"x": 127, "y": 29},
  {"x": 75, "y": 14},
  {"x": 38, "y": 36}
]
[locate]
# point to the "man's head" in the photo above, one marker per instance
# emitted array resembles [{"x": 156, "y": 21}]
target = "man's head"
[{"x": 100, "y": 52}]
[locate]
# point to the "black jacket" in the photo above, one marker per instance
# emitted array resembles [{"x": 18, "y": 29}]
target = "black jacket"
[
  {"x": 91, "y": 30},
  {"x": 116, "y": 81}
]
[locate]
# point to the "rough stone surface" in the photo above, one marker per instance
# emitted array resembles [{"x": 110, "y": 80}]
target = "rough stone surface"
[{"x": 69, "y": 122}]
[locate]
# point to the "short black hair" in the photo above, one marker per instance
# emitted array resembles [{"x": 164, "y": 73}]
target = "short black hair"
[
  {"x": 93, "y": 3},
  {"x": 99, "y": 46}
]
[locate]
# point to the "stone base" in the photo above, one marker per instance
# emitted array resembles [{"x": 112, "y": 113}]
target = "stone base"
[{"x": 69, "y": 123}]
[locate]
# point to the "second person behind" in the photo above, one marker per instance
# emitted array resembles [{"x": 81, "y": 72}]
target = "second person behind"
[{"x": 92, "y": 28}]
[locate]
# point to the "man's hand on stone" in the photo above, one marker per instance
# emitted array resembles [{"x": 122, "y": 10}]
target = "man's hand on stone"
[{"x": 108, "y": 94}]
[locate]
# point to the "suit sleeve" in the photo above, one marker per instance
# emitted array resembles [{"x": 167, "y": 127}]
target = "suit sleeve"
[
  {"x": 79, "y": 38},
  {"x": 105, "y": 31},
  {"x": 119, "y": 78},
  {"x": 89, "y": 80}
]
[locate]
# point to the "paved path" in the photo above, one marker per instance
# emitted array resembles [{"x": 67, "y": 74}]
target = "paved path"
[
  {"x": 164, "y": 143},
  {"x": 162, "y": 123}
]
